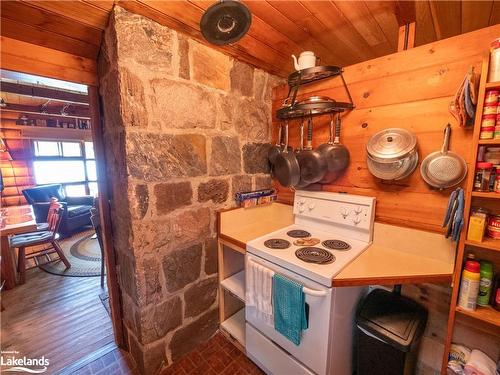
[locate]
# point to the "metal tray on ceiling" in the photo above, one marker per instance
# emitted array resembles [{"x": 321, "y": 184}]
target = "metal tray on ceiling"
[{"x": 316, "y": 73}]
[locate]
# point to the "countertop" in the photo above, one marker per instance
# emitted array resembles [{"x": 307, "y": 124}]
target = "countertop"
[{"x": 397, "y": 255}]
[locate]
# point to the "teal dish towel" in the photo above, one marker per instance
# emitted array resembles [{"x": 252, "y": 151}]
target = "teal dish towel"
[{"x": 289, "y": 308}]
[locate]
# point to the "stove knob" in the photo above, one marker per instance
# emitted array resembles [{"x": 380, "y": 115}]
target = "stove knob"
[
  {"x": 311, "y": 206},
  {"x": 344, "y": 212},
  {"x": 301, "y": 209},
  {"x": 358, "y": 210},
  {"x": 356, "y": 220}
]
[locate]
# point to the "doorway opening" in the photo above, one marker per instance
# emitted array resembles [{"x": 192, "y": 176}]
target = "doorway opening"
[{"x": 55, "y": 299}]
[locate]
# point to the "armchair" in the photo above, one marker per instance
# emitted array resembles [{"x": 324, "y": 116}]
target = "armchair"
[{"x": 76, "y": 211}]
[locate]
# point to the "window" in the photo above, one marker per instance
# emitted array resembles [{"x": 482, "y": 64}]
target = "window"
[{"x": 71, "y": 164}]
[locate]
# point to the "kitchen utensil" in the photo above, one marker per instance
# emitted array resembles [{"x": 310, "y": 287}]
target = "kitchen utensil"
[
  {"x": 392, "y": 154},
  {"x": 391, "y": 144},
  {"x": 286, "y": 166},
  {"x": 225, "y": 22},
  {"x": 316, "y": 99},
  {"x": 312, "y": 165},
  {"x": 277, "y": 148},
  {"x": 396, "y": 170},
  {"x": 306, "y": 60},
  {"x": 443, "y": 169},
  {"x": 335, "y": 154},
  {"x": 325, "y": 149},
  {"x": 301, "y": 183}
]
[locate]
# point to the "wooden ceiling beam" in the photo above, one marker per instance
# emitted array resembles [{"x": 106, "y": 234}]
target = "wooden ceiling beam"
[
  {"x": 46, "y": 38},
  {"x": 80, "y": 12},
  {"x": 27, "y": 14},
  {"x": 44, "y": 92},
  {"x": 73, "y": 111},
  {"x": 406, "y": 11}
]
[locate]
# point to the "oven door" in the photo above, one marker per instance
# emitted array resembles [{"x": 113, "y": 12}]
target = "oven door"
[{"x": 313, "y": 350}]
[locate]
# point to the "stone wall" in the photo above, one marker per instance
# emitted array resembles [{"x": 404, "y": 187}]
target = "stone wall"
[{"x": 185, "y": 128}]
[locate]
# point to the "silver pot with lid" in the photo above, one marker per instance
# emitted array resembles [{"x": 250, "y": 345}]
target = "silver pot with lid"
[{"x": 392, "y": 154}]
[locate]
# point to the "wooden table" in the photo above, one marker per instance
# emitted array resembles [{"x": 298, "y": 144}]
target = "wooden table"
[{"x": 17, "y": 220}]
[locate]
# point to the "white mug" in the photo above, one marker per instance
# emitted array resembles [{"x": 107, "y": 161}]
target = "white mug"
[{"x": 306, "y": 60}]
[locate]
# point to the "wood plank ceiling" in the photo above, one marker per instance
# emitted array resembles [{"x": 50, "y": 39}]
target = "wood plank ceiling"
[{"x": 339, "y": 32}]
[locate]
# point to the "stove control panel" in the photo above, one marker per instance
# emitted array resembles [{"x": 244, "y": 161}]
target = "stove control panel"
[{"x": 346, "y": 210}]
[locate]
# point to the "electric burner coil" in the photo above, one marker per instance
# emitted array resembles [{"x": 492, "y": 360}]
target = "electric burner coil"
[{"x": 314, "y": 255}]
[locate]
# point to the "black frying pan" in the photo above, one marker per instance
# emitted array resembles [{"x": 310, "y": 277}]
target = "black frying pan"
[
  {"x": 286, "y": 166},
  {"x": 301, "y": 183},
  {"x": 312, "y": 165},
  {"x": 275, "y": 150}
]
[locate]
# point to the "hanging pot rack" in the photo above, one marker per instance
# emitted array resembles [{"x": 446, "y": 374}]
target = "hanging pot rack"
[{"x": 292, "y": 109}]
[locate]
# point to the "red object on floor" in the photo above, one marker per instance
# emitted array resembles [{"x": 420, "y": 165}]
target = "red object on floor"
[{"x": 216, "y": 356}]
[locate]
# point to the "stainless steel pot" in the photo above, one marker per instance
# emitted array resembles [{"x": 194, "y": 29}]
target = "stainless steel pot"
[{"x": 392, "y": 154}]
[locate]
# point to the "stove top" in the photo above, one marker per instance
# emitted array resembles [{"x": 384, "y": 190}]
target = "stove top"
[
  {"x": 290, "y": 257},
  {"x": 341, "y": 226}
]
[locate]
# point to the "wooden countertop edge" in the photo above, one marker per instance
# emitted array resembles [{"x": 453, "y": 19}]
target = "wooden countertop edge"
[
  {"x": 232, "y": 240},
  {"x": 391, "y": 280}
]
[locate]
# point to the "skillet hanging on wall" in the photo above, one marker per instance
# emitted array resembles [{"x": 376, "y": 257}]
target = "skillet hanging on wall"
[{"x": 225, "y": 22}]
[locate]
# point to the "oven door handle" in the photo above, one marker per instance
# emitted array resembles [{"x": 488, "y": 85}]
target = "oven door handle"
[
  {"x": 306, "y": 290},
  {"x": 314, "y": 293}
]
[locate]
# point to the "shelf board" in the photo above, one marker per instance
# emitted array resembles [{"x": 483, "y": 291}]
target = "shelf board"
[
  {"x": 43, "y": 132},
  {"x": 492, "y": 85},
  {"x": 235, "y": 326},
  {"x": 486, "y": 194},
  {"x": 486, "y": 314},
  {"x": 235, "y": 284},
  {"x": 489, "y": 142},
  {"x": 488, "y": 243}
]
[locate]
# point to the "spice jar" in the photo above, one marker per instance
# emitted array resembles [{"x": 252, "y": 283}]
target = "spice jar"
[
  {"x": 493, "y": 177},
  {"x": 491, "y": 97},
  {"x": 492, "y": 155},
  {"x": 497, "y": 183},
  {"x": 482, "y": 176},
  {"x": 487, "y": 133},
  {"x": 493, "y": 228},
  {"x": 488, "y": 121},
  {"x": 494, "y": 70},
  {"x": 496, "y": 133},
  {"x": 490, "y": 110}
]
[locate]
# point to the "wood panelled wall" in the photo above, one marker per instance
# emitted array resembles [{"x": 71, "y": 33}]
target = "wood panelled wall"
[
  {"x": 412, "y": 90},
  {"x": 18, "y": 173}
]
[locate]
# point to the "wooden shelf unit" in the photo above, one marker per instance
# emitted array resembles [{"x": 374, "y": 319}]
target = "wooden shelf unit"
[
  {"x": 492, "y": 85},
  {"x": 488, "y": 195},
  {"x": 483, "y": 315},
  {"x": 487, "y": 243},
  {"x": 231, "y": 262},
  {"x": 489, "y": 142}
]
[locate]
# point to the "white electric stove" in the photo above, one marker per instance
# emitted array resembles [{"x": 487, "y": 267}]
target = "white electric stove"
[{"x": 336, "y": 228}]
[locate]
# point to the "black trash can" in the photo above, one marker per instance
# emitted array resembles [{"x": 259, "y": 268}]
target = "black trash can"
[{"x": 389, "y": 328}]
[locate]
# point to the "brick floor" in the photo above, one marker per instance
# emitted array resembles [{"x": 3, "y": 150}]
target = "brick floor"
[{"x": 216, "y": 356}]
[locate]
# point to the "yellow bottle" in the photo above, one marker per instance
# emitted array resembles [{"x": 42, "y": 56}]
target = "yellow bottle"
[{"x": 469, "y": 286}]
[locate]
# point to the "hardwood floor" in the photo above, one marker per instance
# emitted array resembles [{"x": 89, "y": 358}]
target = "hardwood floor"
[{"x": 61, "y": 318}]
